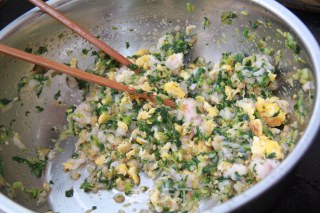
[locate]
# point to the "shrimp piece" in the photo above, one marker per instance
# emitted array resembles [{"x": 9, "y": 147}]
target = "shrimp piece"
[
  {"x": 174, "y": 62},
  {"x": 188, "y": 111},
  {"x": 261, "y": 168}
]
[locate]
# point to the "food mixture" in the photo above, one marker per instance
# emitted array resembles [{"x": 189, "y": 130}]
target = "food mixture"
[{"x": 228, "y": 131}]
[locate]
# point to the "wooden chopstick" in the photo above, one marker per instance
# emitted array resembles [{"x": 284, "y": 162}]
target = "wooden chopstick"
[
  {"x": 77, "y": 73},
  {"x": 82, "y": 32}
]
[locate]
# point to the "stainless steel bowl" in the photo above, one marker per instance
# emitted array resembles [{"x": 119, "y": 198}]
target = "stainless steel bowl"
[{"x": 141, "y": 22}]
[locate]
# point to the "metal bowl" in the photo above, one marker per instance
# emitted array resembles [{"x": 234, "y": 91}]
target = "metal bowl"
[{"x": 141, "y": 22}]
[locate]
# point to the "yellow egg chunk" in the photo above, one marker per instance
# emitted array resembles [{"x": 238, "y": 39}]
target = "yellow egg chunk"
[
  {"x": 141, "y": 52},
  {"x": 68, "y": 165},
  {"x": 103, "y": 118},
  {"x": 270, "y": 111},
  {"x": 122, "y": 169},
  {"x": 174, "y": 89},
  {"x": 262, "y": 146},
  {"x": 73, "y": 62},
  {"x": 142, "y": 62},
  {"x": 178, "y": 128},
  {"x": 133, "y": 173},
  {"x": 100, "y": 160}
]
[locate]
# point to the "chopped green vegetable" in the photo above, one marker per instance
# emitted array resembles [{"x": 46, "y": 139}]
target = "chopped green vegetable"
[
  {"x": 33, "y": 192},
  {"x": 57, "y": 95},
  {"x": 227, "y": 17},
  {"x": 41, "y": 50},
  {"x": 244, "y": 12},
  {"x": 133, "y": 67},
  {"x": 28, "y": 50},
  {"x": 39, "y": 108},
  {"x": 127, "y": 45},
  {"x": 86, "y": 186},
  {"x": 206, "y": 23},
  {"x": 4, "y": 102},
  {"x": 69, "y": 193},
  {"x": 290, "y": 41},
  {"x": 85, "y": 51},
  {"x": 190, "y": 7},
  {"x": 36, "y": 165},
  {"x": 23, "y": 81},
  {"x": 271, "y": 155}
]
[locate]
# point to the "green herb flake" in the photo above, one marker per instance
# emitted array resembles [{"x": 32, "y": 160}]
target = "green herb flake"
[
  {"x": 290, "y": 42},
  {"x": 69, "y": 193},
  {"x": 57, "y": 95},
  {"x": 271, "y": 155},
  {"x": 39, "y": 108},
  {"x": 86, "y": 186},
  {"x": 28, "y": 50},
  {"x": 244, "y": 13},
  {"x": 227, "y": 17},
  {"x": 17, "y": 185},
  {"x": 206, "y": 23},
  {"x": 139, "y": 91},
  {"x": 85, "y": 51},
  {"x": 158, "y": 100},
  {"x": 23, "y": 82},
  {"x": 33, "y": 192},
  {"x": 4, "y": 102},
  {"x": 248, "y": 34},
  {"x": 238, "y": 176},
  {"x": 133, "y": 67},
  {"x": 114, "y": 28},
  {"x": 127, "y": 45},
  {"x": 190, "y": 7},
  {"x": 41, "y": 50},
  {"x": 36, "y": 165}
]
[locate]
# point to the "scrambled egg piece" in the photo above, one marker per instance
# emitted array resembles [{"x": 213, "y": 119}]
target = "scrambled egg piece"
[
  {"x": 144, "y": 115},
  {"x": 103, "y": 118},
  {"x": 142, "y": 62},
  {"x": 133, "y": 173},
  {"x": 212, "y": 111},
  {"x": 174, "y": 89},
  {"x": 73, "y": 62},
  {"x": 270, "y": 111},
  {"x": 100, "y": 160},
  {"x": 263, "y": 146},
  {"x": 141, "y": 52},
  {"x": 124, "y": 147},
  {"x": 146, "y": 87},
  {"x": 122, "y": 169},
  {"x": 185, "y": 75}
]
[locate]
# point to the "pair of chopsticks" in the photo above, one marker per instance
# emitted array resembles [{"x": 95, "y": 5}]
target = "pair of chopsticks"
[{"x": 77, "y": 73}]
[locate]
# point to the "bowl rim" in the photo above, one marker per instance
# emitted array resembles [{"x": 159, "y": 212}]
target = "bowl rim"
[{"x": 312, "y": 49}]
